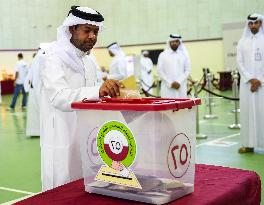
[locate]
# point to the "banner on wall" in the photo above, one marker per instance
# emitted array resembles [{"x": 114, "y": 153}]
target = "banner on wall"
[{"x": 232, "y": 32}]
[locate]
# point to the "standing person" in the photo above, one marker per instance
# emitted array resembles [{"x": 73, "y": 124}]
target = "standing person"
[
  {"x": 146, "y": 66},
  {"x": 250, "y": 60},
  {"x": 32, "y": 86},
  {"x": 174, "y": 68},
  {"x": 118, "y": 66},
  {"x": 67, "y": 77},
  {"x": 21, "y": 70}
]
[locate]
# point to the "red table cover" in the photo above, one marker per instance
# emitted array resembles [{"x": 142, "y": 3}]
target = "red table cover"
[
  {"x": 7, "y": 87},
  {"x": 214, "y": 185}
]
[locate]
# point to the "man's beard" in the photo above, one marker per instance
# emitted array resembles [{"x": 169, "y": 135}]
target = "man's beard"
[
  {"x": 82, "y": 45},
  {"x": 174, "y": 48},
  {"x": 254, "y": 30}
]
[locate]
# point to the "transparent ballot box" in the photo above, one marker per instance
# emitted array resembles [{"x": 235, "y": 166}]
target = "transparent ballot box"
[{"x": 138, "y": 149}]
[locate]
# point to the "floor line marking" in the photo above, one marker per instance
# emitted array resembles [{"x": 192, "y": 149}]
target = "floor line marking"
[
  {"x": 219, "y": 139},
  {"x": 18, "y": 199},
  {"x": 16, "y": 190}
]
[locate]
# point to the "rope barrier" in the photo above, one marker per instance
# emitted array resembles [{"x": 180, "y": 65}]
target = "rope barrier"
[
  {"x": 148, "y": 94},
  {"x": 149, "y": 87},
  {"x": 211, "y": 92},
  {"x": 201, "y": 84},
  {"x": 218, "y": 95}
]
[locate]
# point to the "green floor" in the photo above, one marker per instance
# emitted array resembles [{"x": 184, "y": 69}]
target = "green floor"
[{"x": 20, "y": 156}]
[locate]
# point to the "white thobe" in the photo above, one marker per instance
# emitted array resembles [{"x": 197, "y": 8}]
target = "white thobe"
[
  {"x": 173, "y": 66},
  {"x": 146, "y": 66},
  {"x": 118, "y": 68},
  {"x": 63, "y": 84},
  {"x": 33, "y": 118},
  {"x": 250, "y": 59}
]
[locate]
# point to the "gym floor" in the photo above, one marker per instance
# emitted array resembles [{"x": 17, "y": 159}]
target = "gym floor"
[{"x": 20, "y": 156}]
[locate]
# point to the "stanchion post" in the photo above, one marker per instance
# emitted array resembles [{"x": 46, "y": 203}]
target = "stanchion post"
[
  {"x": 236, "y": 125},
  {"x": 198, "y": 134},
  {"x": 209, "y": 87},
  {"x": 234, "y": 72}
]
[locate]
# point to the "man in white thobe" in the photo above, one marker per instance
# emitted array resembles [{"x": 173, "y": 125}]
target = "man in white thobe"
[
  {"x": 146, "y": 66},
  {"x": 250, "y": 60},
  {"x": 66, "y": 77},
  {"x": 32, "y": 86},
  {"x": 174, "y": 68},
  {"x": 118, "y": 66}
]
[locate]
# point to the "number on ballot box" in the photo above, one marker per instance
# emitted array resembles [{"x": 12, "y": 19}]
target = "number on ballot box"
[
  {"x": 116, "y": 146},
  {"x": 179, "y": 155}
]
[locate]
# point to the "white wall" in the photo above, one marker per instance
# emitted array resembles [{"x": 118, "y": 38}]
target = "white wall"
[{"x": 24, "y": 24}]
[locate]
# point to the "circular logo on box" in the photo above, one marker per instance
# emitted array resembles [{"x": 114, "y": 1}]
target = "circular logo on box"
[
  {"x": 92, "y": 147},
  {"x": 179, "y": 155},
  {"x": 115, "y": 142}
]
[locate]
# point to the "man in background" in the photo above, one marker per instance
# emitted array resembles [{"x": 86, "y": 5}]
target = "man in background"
[
  {"x": 32, "y": 86},
  {"x": 118, "y": 66},
  {"x": 174, "y": 68},
  {"x": 250, "y": 60},
  {"x": 146, "y": 66},
  {"x": 21, "y": 70}
]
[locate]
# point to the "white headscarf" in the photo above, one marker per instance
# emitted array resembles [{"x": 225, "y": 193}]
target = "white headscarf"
[
  {"x": 71, "y": 20},
  {"x": 63, "y": 47},
  {"x": 143, "y": 59},
  {"x": 116, "y": 49},
  {"x": 253, "y": 18},
  {"x": 145, "y": 53},
  {"x": 44, "y": 46},
  {"x": 181, "y": 48},
  {"x": 35, "y": 67}
]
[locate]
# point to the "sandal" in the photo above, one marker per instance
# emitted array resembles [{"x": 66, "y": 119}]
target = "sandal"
[{"x": 242, "y": 150}]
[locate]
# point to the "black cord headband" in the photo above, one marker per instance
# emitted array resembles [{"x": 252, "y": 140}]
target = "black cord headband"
[
  {"x": 174, "y": 36},
  {"x": 87, "y": 16}
]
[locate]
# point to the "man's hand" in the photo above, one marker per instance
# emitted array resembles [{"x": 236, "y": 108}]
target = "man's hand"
[
  {"x": 255, "y": 84},
  {"x": 110, "y": 88},
  {"x": 175, "y": 85}
]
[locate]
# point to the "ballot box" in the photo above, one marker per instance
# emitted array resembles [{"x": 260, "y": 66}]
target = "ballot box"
[{"x": 138, "y": 149}]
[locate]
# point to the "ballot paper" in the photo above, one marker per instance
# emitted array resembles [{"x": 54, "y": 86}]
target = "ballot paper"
[{"x": 130, "y": 89}]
